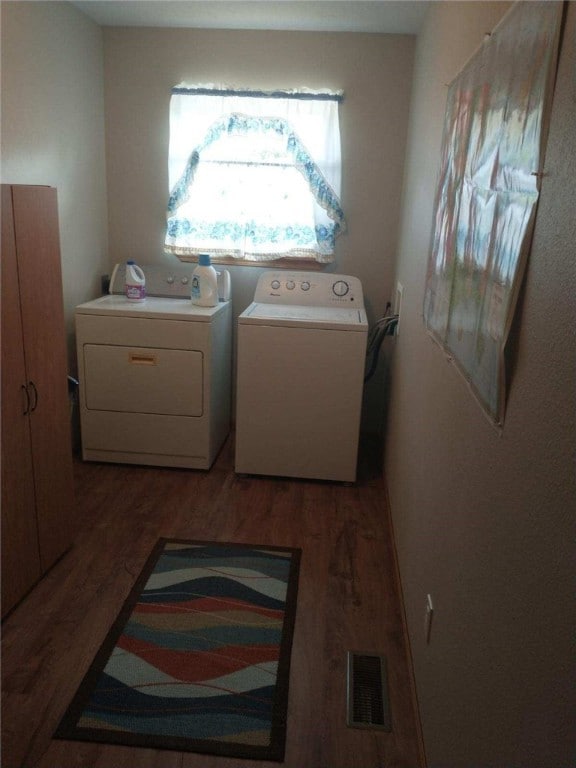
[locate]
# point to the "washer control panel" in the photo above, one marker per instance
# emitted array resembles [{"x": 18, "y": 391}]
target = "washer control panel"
[{"x": 319, "y": 289}]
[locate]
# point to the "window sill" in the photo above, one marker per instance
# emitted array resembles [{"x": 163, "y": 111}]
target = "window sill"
[{"x": 301, "y": 265}]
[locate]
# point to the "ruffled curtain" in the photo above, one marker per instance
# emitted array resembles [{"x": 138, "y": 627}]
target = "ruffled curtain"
[{"x": 254, "y": 176}]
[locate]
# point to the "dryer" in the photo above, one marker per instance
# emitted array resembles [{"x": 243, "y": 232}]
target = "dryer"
[
  {"x": 155, "y": 376},
  {"x": 300, "y": 372}
]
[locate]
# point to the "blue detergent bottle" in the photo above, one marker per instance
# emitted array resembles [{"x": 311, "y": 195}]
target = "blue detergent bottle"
[{"x": 204, "y": 287}]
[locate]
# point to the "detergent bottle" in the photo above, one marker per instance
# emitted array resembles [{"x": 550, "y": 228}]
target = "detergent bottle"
[
  {"x": 224, "y": 286},
  {"x": 135, "y": 286},
  {"x": 204, "y": 288}
]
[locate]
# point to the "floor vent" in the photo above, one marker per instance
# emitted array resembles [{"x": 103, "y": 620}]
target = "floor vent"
[{"x": 368, "y": 701}]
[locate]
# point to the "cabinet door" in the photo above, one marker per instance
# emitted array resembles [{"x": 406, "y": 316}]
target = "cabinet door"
[
  {"x": 39, "y": 270},
  {"x": 20, "y": 554}
]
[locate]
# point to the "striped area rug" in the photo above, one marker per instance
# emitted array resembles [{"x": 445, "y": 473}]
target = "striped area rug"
[{"x": 198, "y": 659}]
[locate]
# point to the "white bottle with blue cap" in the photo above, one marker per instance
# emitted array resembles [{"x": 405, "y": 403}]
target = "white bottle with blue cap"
[{"x": 204, "y": 288}]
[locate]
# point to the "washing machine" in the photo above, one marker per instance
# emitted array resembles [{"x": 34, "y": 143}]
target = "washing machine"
[
  {"x": 300, "y": 373},
  {"x": 155, "y": 376}
]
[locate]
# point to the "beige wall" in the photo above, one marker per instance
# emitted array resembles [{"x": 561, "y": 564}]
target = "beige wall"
[
  {"x": 375, "y": 72},
  {"x": 53, "y": 130},
  {"x": 55, "y": 72},
  {"x": 483, "y": 523}
]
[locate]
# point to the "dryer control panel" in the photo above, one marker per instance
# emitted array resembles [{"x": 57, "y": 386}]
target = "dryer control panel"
[{"x": 318, "y": 289}]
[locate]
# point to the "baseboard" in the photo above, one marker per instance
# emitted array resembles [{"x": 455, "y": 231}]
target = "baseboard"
[{"x": 413, "y": 691}]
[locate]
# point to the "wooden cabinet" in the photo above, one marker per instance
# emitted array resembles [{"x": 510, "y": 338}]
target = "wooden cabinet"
[{"x": 37, "y": 481}]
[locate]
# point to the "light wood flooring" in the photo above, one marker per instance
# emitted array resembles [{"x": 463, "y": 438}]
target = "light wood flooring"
[{"x": 348, "y": 600}]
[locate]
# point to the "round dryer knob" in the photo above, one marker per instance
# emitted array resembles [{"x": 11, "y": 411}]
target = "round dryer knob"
[
  {"x": 290, "y": 285},
  {"x": 305, "y": 285},
  {"x": 340, "y": 288}
]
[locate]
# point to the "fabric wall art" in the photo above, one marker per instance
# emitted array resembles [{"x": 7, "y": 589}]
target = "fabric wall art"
[{"x": 491, "y": 170}]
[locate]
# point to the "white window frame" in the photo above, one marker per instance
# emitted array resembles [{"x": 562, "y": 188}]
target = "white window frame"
[{"x": 204, "y": 120}]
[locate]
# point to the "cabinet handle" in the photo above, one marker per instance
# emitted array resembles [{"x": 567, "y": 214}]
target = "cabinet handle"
[
  {"x": 35, "y": 391},
  {"x": 24, "y": 388}
]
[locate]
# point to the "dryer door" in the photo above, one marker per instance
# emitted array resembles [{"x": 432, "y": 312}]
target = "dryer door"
[{"x": 143, "y": 380}]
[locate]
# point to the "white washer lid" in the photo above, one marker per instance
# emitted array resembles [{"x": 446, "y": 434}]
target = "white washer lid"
[
  {"x": 296, "y": 315},
  {"x": 151, "y": 307}
]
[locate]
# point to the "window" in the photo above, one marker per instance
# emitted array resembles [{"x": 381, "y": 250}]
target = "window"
[{"x": 254, "y": 176}]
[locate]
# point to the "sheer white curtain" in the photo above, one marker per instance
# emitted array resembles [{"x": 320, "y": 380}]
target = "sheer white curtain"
[{"x": 254, "y": 175}]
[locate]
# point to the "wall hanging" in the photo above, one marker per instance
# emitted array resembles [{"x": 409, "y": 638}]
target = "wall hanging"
[{"x": 490, "y": 174}]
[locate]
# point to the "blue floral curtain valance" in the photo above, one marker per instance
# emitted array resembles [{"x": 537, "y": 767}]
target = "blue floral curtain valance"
[{"x": 257, "y": 183}]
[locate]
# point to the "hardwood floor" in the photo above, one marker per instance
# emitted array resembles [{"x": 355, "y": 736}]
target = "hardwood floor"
[{"x": 347, "y": 601}]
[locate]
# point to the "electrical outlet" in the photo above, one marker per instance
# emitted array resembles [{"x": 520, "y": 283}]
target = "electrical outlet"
[{"x": 428, "y": 618}]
